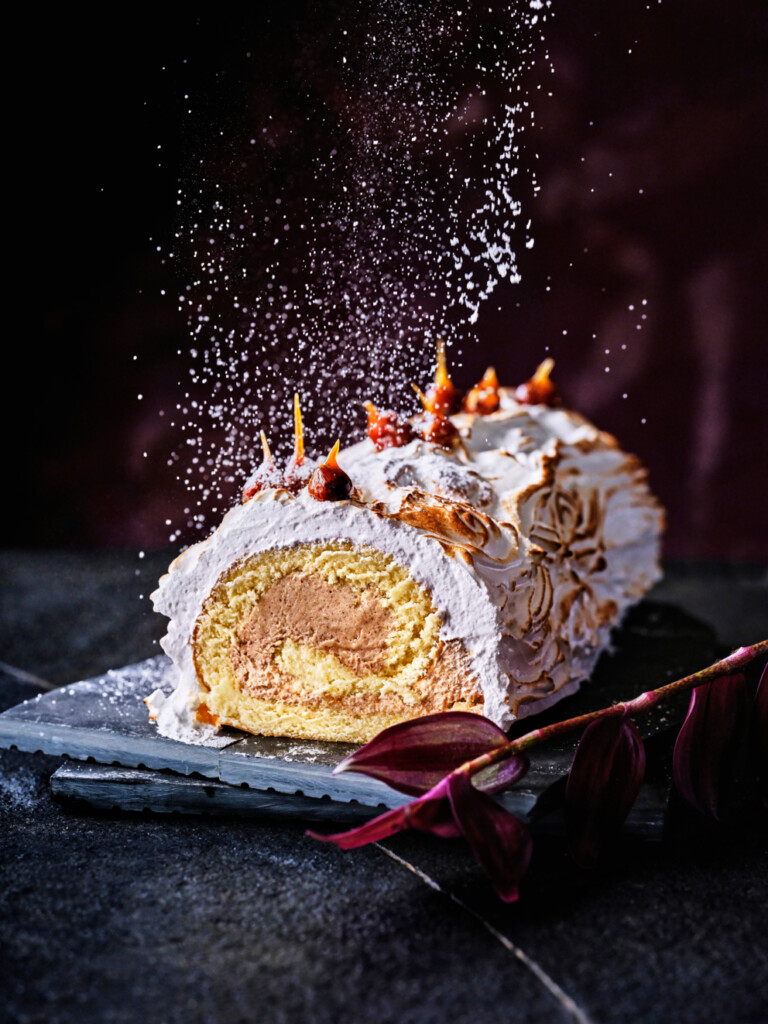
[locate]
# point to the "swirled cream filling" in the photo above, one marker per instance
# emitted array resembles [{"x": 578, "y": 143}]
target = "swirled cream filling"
[{"x": 328, "y": 637}]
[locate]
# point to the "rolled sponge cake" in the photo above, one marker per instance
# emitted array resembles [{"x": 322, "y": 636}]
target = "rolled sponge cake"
[{"x": 484, "y": 578}]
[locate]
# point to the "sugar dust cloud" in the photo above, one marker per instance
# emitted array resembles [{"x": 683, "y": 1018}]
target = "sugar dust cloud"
[{"x": 409, "y": 212}]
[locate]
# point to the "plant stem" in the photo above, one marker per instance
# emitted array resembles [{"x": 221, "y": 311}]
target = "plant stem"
[{"x": 741, "y": 657}]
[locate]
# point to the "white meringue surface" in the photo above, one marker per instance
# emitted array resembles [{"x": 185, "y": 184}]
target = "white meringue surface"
[{"x": 533, "y": 536}]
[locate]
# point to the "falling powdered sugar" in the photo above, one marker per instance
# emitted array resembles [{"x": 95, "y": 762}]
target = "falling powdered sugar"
[{"x": 330, "y": 244}]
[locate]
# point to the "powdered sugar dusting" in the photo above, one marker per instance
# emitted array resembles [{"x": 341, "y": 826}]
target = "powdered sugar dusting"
[{"x": 337, "y": 280}]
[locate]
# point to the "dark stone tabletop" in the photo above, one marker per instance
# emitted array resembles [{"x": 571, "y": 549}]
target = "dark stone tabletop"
[{"x": 117, "y": 917}]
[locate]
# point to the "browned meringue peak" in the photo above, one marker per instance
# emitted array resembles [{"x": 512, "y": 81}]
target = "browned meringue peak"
[
  {"x": 381, "y": 476},
  {"x": 462, "y": 530}
]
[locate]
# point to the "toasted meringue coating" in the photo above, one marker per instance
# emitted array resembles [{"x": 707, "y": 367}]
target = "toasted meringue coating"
[{"x": 530, "y": 538}]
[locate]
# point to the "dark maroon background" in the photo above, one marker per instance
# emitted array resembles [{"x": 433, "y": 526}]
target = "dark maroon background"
[{"x": 682, "y": 117}]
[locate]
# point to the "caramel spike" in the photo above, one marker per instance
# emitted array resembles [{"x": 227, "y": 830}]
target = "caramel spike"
[
  {"x": 420, "y": 393},
  {"x": 490, "y": 380},
  {"x": 331, "y": 462},
  {"x": 543, "y": 371},
  {"x": 268, "y": 460},
  {"x": 298, "y": 432},
  {"x": 441, "y": 376}
]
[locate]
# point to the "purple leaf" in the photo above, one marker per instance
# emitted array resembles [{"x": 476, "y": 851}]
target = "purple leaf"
[
  {"x": 704, "y": 749},
  {"x": 412, "y": 757},
  {"x": 385, "y": 825},
  {"x": 430, "y": 813},
  {"x": 501, "y": 775},
  {"x": 603, "y": 783},
  {"x": 761, "y": 731},
  {"x": 500, "y": 842}
]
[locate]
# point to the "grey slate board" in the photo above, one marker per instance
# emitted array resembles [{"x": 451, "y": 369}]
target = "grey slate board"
[
  {"x": 111, "y": 787},
  {"x": 105, "y": 719}
]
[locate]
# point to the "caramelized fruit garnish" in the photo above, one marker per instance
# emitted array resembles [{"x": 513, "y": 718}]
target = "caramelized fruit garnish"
[
  {"x": 442, "y": 397},
  {"x": 386, "y": 429},
  {"x": 296, "y": 473},
  {"x": 329, "y": 482},
  {"x": 265, "y": 476},
  {"x": 483, "y": 398},
  {"x": 436, "y": 429},
  {"x": 540, "y": 390}
]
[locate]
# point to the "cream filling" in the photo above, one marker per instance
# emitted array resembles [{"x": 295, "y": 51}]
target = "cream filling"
[{"x": 327, "y": 619}]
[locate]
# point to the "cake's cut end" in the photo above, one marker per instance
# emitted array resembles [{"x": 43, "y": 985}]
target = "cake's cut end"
[{"x": 325, "y": 641}]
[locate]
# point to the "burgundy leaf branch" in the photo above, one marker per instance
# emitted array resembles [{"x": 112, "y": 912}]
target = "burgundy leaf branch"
[
  {"x": 605, "y": 777},
  {"x": 453, "y": 762},
  {"x": 706, "y": 744}
]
